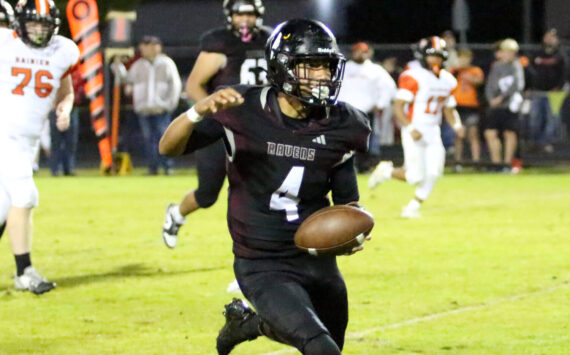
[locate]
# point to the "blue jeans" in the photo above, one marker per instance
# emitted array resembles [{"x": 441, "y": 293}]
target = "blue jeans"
[
  {"x": 543, "y": 124},
  {"x": 63, "y": 144},
  {"x": 152, "y": 127},
  {"x": 447, "y": 135}
]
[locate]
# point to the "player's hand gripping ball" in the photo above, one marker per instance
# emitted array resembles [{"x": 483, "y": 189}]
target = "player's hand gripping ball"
[{"x": 334, "y": 230}]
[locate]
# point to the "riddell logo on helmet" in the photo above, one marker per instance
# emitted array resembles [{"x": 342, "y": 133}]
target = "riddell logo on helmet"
[{"x": 325, "y": 50}]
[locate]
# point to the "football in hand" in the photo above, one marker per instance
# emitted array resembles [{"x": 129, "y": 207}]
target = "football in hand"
[{"x": 334, "y": 230}]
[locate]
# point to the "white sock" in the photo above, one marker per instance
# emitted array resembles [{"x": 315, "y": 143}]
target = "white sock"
[
  {"x": 414, "y": 204},
  {"x": 178, "y": 218},
  {"x": 388, "y": 172}
]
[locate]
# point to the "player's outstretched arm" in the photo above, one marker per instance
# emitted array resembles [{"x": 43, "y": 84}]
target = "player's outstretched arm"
[{"x": 175, "y": 138}]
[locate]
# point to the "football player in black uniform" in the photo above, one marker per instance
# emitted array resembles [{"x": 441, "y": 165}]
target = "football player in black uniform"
[
  {"x": 289, "y": 145},
  {"x": 229, "y": 55}
]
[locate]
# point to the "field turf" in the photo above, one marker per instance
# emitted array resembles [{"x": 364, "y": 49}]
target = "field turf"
[{"x": 485, "y": 271}]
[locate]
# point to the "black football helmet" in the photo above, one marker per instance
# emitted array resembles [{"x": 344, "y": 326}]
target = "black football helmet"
[
  {"x": 42, "y": 11},
  {"x": 302, "y": 41},
  {"x": 244, "y": 6},
  {"x": 430, "y": 46},
  {"x": 6, "y": 14}
]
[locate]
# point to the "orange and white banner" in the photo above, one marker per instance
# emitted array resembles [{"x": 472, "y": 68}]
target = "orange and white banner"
[{"x": 83, "y": 17}]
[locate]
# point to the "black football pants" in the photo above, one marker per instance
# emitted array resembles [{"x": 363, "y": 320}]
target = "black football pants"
[{"x": 298, "y": 298}]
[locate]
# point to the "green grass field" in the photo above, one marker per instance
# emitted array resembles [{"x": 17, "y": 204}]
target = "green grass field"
[{"x": 485, "y": 271}]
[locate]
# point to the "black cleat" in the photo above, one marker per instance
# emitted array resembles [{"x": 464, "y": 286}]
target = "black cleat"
[
  {"x": 2, "y": 227},
  {"x": 241, "y": 324}
]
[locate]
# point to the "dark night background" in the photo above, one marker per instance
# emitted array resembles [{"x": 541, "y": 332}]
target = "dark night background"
[{"x": 379, "y": 21}]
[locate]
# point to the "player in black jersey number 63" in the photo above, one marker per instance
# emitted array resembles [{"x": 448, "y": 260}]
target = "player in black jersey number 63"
[
  {"x": 229, "y": 55},
  {"x": 289, "y": 144}
]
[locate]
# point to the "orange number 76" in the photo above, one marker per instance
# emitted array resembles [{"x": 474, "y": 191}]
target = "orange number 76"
[{"x": 41, "y": 88}]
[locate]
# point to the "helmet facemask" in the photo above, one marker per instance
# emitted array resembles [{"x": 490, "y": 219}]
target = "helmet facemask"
[
  {"x": 314, "y": 80},
  {"x": 433, "y": 46},
  {"x": 38, "y": 33},
  {"x": 34, "y": 28}
]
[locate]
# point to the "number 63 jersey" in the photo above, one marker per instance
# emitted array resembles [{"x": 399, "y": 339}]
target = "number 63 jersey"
[
  {"x": 29, "y": 80},
  {"x": 245, "y": 60},
  {"x": 281, "y": 169}
]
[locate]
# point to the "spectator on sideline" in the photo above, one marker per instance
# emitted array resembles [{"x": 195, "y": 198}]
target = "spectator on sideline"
[
  {"x": 64, "y": 144},
  {"x": 503, "y": 89},
  {"x": 368, "y": 87},
  {"x": 451, "y": 43},
  {"x": 469, "y": 78},
  {"x": 156, "y": 90},
  {"x": 548, "y": 73}
]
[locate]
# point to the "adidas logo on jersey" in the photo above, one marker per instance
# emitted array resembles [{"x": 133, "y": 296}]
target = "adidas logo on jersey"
[{"x": 320, "y": 140}]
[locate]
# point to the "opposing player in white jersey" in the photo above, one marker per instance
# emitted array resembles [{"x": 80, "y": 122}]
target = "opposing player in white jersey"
[
  {"x": 424, "y": 92},
  {"x": 35, "y": 64}
]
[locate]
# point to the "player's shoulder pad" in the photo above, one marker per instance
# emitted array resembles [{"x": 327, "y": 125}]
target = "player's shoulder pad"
[
  {"x": 448, "y": 77},
  {"x": 214, "y": 40},
  {"x": 354, "y": 116},
  {"x": 265, "y": 31},
  {"x": 68, "y": 48},
  {"x": 6, "y": 34}
]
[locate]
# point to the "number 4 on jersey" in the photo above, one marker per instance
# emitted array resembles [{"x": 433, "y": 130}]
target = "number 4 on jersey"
[{"x": 285, "y": 198}]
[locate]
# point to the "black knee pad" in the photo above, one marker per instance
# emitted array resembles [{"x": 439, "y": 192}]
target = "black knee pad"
[
  {"x": 206, "y": 199},
  {"x": 322, "y": 344}
]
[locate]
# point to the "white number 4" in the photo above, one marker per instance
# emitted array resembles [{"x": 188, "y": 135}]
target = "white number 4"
[{"x": 285, "y": 198}]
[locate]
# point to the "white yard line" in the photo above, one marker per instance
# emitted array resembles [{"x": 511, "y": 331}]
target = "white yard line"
[{"x": 361, "y": 334}]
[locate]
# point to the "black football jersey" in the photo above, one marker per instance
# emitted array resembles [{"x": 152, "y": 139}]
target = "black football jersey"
[
  {"x": 245, "y": 60},
  {"x": 281, "y": 169}
]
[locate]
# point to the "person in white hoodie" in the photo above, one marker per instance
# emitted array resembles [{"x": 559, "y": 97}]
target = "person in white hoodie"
[
  {"x": 370, "y": 88},
  {"x": 156, "y": 89}
]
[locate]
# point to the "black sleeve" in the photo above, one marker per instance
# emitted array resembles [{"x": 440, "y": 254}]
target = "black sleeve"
[
  {"x": 343, "y": 183},
  {"x": 205, "y": 133}
]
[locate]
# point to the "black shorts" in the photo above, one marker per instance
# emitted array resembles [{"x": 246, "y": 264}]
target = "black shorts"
[
  {"x": 469, "y": 115},
  {"x": 502, "y": 119},
  {"x": 298, "y": 298}
]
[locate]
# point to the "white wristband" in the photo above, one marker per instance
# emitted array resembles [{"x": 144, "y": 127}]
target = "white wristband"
[
  {"x": 457, "y": 125},
  {"x": 410, "y": 127},
  {"x": 193, "y": 116}
]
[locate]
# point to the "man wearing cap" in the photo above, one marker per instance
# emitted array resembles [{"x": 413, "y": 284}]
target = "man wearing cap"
[
  {"x": 503, "y": 92},
  {"x": 156, "y": 88},
  {"x": 369, "y": 88}
]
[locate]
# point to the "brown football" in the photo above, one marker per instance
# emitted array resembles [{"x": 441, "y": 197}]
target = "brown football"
[{"x": 334, "y": 230}]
